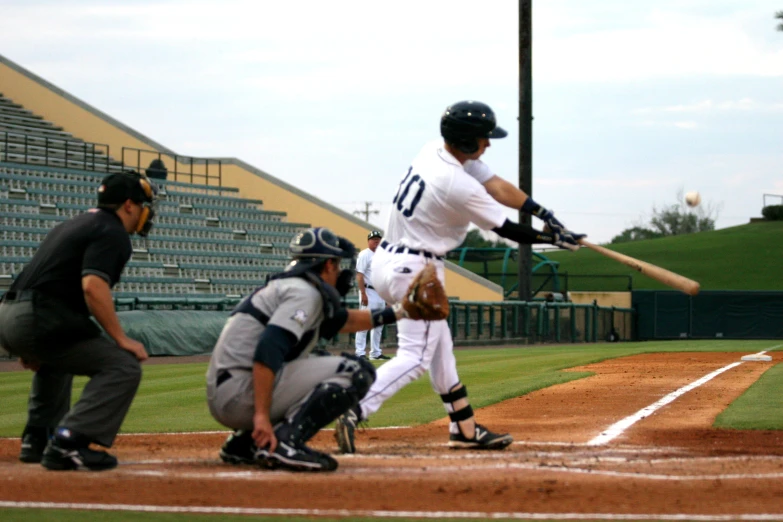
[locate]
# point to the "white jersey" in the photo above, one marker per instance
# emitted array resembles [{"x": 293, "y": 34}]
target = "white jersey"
[
  {"x": 438, "y": 199},
  {"x": 364, "y": 265}
]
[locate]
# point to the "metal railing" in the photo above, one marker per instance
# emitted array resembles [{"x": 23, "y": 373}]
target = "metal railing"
[
  {"x": 204, "y": 171},
  {"x": 538, "y": 322},
  {"x": 471, "y": 322},
  {"x": 22, "y": 148},
  {"x": 18, "y": 147},
  {"x": 778, "y": 196}
]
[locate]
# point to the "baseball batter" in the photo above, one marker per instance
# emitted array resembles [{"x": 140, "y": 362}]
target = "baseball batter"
[
  {"x": 369, "y": 298},
  {"x": 445, "y": 189},
  {"x": 262, "y": 380}
]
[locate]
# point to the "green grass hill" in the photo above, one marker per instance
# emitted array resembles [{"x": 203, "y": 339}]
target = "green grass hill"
[{"x": 746, "y": 257}]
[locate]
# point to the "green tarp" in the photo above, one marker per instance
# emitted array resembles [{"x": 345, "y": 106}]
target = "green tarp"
[{"x": 180, "y": 332}]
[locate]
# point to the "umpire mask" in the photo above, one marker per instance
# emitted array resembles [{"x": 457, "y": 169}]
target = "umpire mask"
[{"x": 148, "y": 200}]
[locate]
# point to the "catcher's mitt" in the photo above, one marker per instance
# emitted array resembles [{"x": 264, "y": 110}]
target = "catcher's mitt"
[{"x": 426, "y": 298}]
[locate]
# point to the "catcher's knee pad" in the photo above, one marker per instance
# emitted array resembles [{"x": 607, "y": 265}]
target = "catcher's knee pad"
[
  {"x": 450, "y": 398},
  {"x": 362, "y": 376}
]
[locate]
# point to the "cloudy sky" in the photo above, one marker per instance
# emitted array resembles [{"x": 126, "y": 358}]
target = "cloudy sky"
[{"x": 633, "y": 101}]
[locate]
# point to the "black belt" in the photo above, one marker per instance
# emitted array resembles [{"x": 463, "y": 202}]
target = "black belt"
[
  {"x": 398, "y": 249},
  {"x": 370, "y": 287}
]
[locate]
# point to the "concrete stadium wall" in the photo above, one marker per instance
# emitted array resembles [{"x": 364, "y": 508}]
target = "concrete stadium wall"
[
  {"x": 92, "y": 125},
  {"x": 618, "y": 299},
  {"x": 61, "y": 108}
]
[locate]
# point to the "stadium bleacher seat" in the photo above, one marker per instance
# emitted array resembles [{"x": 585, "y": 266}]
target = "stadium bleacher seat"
[
  {"x": 227, "y": 246},
  {"x": 208, "y": 242}
]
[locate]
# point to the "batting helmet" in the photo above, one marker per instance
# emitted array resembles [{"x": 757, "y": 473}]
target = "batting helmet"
[
  {"x": 320, "y": 243},
  {"x": 464, "y": 122}
]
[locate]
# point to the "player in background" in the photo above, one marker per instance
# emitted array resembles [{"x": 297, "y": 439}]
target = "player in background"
[
  {"x": 369, "y": 298},
  {"x": 446, "y": 188}
]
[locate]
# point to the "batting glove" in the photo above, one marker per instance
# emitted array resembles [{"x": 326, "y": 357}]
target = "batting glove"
[
  {"x": 544, "y": 214},
  {"x": 566, "y": 240},
  {"x": 554, "y": 224}
]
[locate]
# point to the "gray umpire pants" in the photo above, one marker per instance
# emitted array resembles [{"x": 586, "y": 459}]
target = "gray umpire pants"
[
  {"x": 114, "y": 374},
  {"x": 232, "y": 402}
]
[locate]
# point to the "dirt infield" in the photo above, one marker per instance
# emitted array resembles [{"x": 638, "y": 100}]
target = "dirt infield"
[{"x": 670, "y": 462}]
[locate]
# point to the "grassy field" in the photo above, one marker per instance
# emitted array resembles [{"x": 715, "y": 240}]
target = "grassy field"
[
  {"x": 760, "y": 406},
  {"x": 171, "y": 398},
  {"x": 745, "y": 250}
]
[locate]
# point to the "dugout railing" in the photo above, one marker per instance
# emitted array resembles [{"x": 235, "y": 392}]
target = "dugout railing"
[
  {"x": 471, "y": 322},
  {"x": 191, "y": 325}
]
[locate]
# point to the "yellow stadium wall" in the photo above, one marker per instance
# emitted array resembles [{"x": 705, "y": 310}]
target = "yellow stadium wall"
[
  {"x": 618, "y": 299},
  {"x": 60, "y": 110},
  {"x": 89, "y": 124}
]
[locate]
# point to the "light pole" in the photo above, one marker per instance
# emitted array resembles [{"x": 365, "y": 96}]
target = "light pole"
[{"x": 525, "y": 264}]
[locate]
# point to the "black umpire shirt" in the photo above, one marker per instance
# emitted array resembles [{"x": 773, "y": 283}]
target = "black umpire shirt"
[{"x": 95, "y": 242}]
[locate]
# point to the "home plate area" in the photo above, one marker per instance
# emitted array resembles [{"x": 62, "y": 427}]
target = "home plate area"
[{"x": 670, "y": 464}]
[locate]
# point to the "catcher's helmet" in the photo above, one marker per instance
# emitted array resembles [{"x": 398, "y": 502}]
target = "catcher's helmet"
[
  {"x": 320, "y": 243},
  {"x": 463, "y": 122}
]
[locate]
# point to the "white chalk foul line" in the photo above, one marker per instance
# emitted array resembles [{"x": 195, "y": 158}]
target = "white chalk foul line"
[
  {"x": 265, "y": 475},
  {"x": 616, "y": 429},
  {"x": 385, "y": 513}
]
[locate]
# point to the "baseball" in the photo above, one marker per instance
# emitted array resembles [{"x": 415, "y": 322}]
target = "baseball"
[{"x": 692, "y": 198}]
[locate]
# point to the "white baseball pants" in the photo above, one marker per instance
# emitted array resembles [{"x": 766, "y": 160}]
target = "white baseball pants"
[
  {"x": 422, "y": 345},
  {"x": 374, "y": 302}
]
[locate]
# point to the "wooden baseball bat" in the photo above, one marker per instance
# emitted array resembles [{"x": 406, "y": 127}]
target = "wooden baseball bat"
[{"x": 681, "y": 283}]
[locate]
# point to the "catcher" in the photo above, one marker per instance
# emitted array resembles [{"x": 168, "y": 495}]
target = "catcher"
[{"x": 264, "y": 382}]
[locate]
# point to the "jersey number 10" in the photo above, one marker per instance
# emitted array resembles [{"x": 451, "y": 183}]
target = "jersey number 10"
[{"x": 405, "y": 189}]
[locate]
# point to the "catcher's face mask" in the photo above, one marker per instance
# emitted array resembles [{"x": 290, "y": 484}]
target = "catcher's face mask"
[
  {"x": 150, "y": 192},
  {"x": 344, "y": 282}
]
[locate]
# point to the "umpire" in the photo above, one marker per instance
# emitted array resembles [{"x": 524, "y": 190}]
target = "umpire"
[{"x": 45, "y": 320}]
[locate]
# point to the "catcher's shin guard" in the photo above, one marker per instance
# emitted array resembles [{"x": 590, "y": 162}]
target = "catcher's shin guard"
[{"x": 327, "y": 402}]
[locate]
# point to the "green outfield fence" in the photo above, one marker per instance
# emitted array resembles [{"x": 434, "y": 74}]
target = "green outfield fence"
[{"x": 712, "y": 314}]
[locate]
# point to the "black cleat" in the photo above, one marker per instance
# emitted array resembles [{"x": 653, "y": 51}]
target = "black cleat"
[
  {"x": 239, "y": 448},
  {"x": 483, "y": 439},
  {"x": 295, "y": 458},
  {"x": 344, "y": 430},
  {"x": 58, "y": 458},
  {"x": 33, "y": 446},
  {"x": 381, "y": 357}
]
